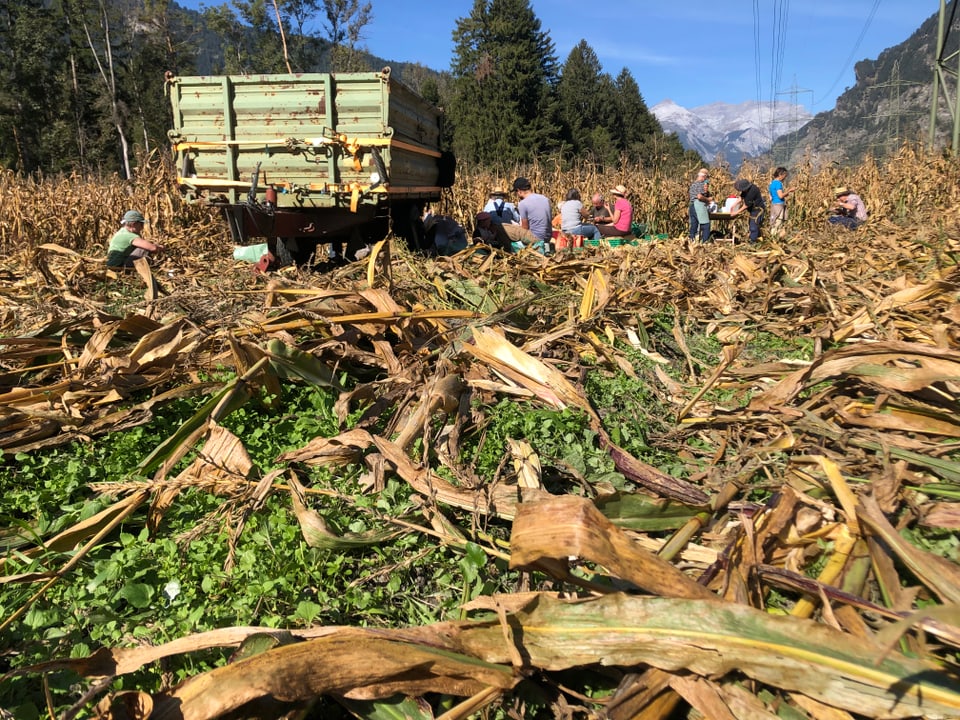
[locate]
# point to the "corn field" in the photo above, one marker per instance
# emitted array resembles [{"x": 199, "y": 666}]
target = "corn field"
[
  {"x": 81, "y": 214},
  {"x": 803, "y": 392}
]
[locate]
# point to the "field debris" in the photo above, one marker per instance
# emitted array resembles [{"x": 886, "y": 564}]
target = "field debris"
[{"x": 663, "y": 585}]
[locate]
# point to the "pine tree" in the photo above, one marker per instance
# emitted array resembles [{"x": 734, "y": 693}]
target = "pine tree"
[
  {"x": 31, "y": 60},
  {"x": 641, "y": 136},
  {"x": 588, "y": 106},
  {"x": 502, "y": 104},
  {"x": 636, "y": 121}
]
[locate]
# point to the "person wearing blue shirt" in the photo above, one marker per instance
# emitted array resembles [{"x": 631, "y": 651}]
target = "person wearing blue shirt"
[
  {"x": 778, "y": 201},
  {"x": 502, "y": 211}
]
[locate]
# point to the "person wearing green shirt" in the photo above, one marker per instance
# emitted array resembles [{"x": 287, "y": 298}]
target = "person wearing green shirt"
[{"x": 128, "y": 244}]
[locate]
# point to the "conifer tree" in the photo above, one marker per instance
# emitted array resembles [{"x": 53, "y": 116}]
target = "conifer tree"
[
  {"x": 641, "y": 136},
  {"x": 30, "y": 54},
  {"x": 588, "y": 106},
  {"x": 502, "y": 104}
]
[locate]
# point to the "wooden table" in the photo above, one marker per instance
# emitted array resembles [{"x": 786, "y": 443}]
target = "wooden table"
[{"x": 729, "y": 223}]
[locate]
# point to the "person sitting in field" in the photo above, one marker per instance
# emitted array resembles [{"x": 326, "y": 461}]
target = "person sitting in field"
[
  {"x": 127, "y": 244},
  {"x": 488, "y": 232},
  {"x": 505, "y": 213},
  {"x": 598, "y": 210},
  {"x": 445, "y": 236},
  {"x": 572, "y": 217},
  {"x": 502, "y": 211},
  {"x": 620, "y": 221},
  {"x": 849, "y": 210},
  {"x": 534, "y": 213}
]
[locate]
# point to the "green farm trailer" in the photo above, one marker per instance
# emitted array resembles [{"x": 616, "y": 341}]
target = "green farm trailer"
[{"x": 305, "y": 160}]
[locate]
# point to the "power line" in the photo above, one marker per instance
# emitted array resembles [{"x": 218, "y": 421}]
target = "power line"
[
  {"x": 863, "y": 33},
  {"x": 781, "y": 9},
  {"x": 756, "y": 56},
  {"x": 790, "y": 145},
  {"x": 896, "y": 114}
]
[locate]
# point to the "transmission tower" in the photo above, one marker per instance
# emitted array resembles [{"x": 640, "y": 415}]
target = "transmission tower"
[
  {"x": 896, "y": 114},
  {"x": 794, "y": 120},
  {"x": 941, "y": 74}
]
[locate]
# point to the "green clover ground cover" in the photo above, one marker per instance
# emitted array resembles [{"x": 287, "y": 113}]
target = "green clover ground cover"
[
  {"x": 137, "y": 588},
  {"x": 143, "y": 588}
]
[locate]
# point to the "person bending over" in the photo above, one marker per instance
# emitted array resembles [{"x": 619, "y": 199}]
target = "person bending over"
[
  {"x": 849, "y": 210},
  {"x": 128, "y": 244}
]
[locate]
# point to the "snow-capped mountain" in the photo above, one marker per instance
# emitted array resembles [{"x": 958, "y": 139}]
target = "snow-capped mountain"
[{"x": 730, "y": 132}]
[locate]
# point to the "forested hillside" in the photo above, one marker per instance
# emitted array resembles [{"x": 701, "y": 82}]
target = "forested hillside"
[
  {"x": 82, "y": 85},
  {"x": 888, "y": 105}
]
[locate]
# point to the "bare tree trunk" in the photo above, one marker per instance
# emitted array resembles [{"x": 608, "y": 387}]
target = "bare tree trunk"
[
  {"x": 283, "y": 37},
  {"x": 110, "y": 83},
  {"x": 75, "y": 89}
]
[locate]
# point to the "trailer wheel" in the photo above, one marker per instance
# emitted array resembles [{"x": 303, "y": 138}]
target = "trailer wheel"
[{"x": 448, "y": 169}]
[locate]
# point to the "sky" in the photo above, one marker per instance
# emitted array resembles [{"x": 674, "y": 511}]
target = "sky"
[{"x": 691, "y": 52}]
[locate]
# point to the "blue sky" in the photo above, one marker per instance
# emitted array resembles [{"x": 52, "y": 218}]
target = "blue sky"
[{"x": 690, "y": 51}]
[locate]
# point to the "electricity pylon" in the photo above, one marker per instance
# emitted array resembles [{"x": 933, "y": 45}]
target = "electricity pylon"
[{"x": 941, "y": 73}]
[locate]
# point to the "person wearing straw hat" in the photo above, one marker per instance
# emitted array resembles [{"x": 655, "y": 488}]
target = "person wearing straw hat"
[
  {"x": 849, "y": 210},
  {"x": 128, "y": 244},
  {"x": 502, "y": 211},
  {"x": 621, "y": 218}
]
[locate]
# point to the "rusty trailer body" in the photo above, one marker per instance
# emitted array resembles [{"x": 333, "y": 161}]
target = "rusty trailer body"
[{"x": 312, "y": 158}]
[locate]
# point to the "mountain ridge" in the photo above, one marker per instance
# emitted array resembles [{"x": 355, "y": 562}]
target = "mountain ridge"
[
  {"x": 889, "y": 104},
  {"x": 730, "y": 132}
]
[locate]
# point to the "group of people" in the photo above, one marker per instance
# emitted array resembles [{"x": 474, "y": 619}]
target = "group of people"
[
  {"x": 748, "y": 199},
  {"x": 847, "y": 211},
  {"x": 531, "y": 222}
]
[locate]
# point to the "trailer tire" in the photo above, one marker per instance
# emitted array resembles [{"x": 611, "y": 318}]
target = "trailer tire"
[{"x": 447, "y": 165}]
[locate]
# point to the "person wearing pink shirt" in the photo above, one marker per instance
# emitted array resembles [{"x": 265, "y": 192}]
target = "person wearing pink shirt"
[{"x": 621, "y": 218}]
